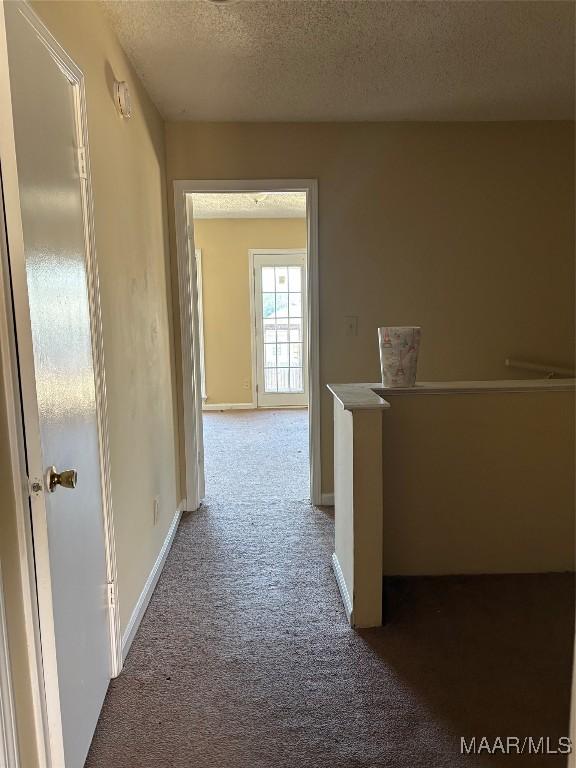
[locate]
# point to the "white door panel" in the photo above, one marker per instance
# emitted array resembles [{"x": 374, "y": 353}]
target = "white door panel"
[
  {"x": 280, "y": 328},
  {"x": 68, "y": 524}
]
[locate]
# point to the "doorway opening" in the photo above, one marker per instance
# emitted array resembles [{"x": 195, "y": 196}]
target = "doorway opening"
[
  {"x": 250, "y": 255},
  {"x": 247, "y": 259}
]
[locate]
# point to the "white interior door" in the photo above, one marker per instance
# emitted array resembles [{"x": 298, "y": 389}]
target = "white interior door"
[
  {"x": 47, "y": 239},
  {"x": 194, "y": 264},
  {"x": 280, "y": 327}
]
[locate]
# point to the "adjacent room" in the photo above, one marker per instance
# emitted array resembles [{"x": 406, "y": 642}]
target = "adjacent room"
[
  {"x": 251, "y": 299},
  {"x": 287, "y": 383}
]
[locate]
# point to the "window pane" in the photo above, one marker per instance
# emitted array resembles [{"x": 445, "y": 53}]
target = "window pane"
[
  {"x": 270, "y": 384},
  {"x": 282, "y": 330},
  {"x": 281, "y": 279},
  {"x": 283, "y": 379},
  {"x": 295, "y": 304},
  {"x": 268, "y": 279},
  {"x": 295, "y": 329},
  {"x": 281, "y": 305},
  {"x": 282, "y": 354},
  {"x": 269, "y": 331},
  {"x": 268, "y": 304},
  {"x": 294, "y": 279},
  {"x": 296, "y": 380},
  {"x": 269, "y": 355},
  {"x": 295, "y": 355}
]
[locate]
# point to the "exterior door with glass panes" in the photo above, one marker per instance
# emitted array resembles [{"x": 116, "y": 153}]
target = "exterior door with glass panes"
[{"x": 280, "y": 328}]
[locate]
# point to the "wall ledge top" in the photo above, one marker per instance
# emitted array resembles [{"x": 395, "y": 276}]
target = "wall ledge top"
[{"x": 372, "y": 396}]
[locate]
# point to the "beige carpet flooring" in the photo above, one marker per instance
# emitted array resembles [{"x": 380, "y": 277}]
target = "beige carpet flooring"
[{"x": 245, "y": 660}]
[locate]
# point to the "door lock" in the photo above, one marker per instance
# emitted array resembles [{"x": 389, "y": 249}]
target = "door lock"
[{"x": 67, "y": 478}]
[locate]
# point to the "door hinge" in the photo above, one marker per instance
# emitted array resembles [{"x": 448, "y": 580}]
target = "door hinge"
[
  {"x": 82, "y": 170},
  {"x": 111, "y": 593}
]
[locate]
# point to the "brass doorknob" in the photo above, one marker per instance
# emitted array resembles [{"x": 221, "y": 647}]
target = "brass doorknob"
[{"x": 67, "y": 478}]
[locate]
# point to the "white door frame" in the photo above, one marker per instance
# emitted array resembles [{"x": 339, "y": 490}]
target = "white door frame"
[
  {"x": 189, "y": 324},
  {"x": 198, "y": 255},
  {"x": 21, "y": 405},
  {"x": 254, "y": 252}
]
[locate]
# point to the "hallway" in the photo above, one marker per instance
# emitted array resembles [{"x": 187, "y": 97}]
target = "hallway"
[{"x": 245, "y": 660}]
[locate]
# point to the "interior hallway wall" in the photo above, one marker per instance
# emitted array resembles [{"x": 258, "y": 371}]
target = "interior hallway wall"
[
  {"x": 129, "y": 182},
  {"x": 466, "y": 229},
  {"x": 225, "y": 244}
]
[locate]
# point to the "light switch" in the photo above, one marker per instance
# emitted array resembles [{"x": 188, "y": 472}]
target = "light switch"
[{"x": 351, "y": 322}]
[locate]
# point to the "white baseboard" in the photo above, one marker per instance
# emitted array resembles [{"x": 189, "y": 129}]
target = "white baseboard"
[
  {"x": 343, "y": 588},
  {"x": 151, "y": 581},
  {"x": 327, "y": 500},
  {"x": 228, "y": 406}
]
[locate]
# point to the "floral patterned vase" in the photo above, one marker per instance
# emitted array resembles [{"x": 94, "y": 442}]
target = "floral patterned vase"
[{"x": 399, "y": 346}]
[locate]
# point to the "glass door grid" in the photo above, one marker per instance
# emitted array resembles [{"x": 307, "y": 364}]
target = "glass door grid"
[
  {"x": 280, "y": 320},
  {"x": 282, "y": 328}
]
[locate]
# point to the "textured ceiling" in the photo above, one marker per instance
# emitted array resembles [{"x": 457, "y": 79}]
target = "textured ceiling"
[
  {"x": 285, "y": 60},
  {"x": 249, "y": 205}
]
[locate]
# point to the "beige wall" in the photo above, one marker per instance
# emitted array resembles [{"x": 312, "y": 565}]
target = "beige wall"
[
  {"x": 226, "y": 288},
  {"x": 464, "y": 228},
  {"x": 478, "y": 483}
]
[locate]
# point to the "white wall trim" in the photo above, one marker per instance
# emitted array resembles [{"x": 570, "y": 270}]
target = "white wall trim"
[
  {"x": 314, "y": 344},
  {"x": 149, "y": 586},
  {"x": 343, "y": 589},
  {"x": 253, "y": 350},
  {"x": 200, "y": 289},
  {"x": 181, "y": 189},
  {"x": 100, "y": 380},
  {"x": 190, "y": 386},
  {"x": 228, "y": 406},
  {"x": 327, "y": 499},
  {"x": 8, "y": 737}
]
